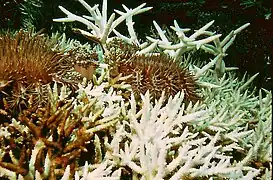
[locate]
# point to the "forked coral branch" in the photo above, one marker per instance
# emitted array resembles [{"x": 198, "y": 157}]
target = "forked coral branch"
[{"x": 101, "y": 27}]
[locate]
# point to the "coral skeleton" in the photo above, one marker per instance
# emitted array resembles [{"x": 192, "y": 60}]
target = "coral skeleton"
[{"x": 102, "y": 130}]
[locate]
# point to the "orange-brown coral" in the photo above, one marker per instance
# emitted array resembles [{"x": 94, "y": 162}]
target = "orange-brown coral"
[{"x": 54, "y": 131}]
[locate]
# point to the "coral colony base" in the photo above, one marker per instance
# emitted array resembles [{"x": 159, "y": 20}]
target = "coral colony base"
[{"x": 172, "y": 117}]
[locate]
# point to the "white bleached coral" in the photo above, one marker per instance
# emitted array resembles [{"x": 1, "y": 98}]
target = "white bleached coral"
[
  {"x": 165, "y": 139},
  {"x": 158, "y": 142},
  {"x": 101, "y": 27},
  {"x": 226, "y": 135}
]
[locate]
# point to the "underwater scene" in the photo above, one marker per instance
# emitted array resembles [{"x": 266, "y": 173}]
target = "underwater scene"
[{"x": 135, "y": 90}]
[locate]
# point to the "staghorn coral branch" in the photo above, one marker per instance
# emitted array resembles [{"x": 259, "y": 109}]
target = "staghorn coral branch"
[
  {"x": 102, "y": 126},
  {"x": 101, "y": 28},
  {"x": 14, "y": 168},
  {"x": 52, "y": 144},
  {"x": 80, "y": 142},
  {"x": 146, "y": 138},
  {"x": 201, "y": 30},
  {"x": 55, "y": 118},
  {"x": 33, "y": 128}
]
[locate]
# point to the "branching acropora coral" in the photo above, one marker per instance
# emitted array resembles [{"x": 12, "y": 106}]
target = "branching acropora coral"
[
  {"x": 46, "y": 139},
  {"x": 227, "y": 135}
]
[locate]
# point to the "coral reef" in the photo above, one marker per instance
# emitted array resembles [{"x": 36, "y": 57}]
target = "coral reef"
[
  {"x": 100, "y": 129},
  {"x": 43, "y": 140}
]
